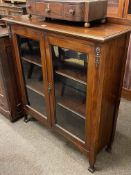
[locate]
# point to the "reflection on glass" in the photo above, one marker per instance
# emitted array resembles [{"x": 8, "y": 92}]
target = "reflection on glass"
[
  {"x": 70, "y": 75},
  {"x": 32, "y": 72}
]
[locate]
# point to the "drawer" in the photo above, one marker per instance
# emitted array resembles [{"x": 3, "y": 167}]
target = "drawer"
[
  {"x": 74, "y": 12},
  {"x": 30, "y": 7},
  {"x": 54, "y": 10},
  {"x": 40, "y": 8}
]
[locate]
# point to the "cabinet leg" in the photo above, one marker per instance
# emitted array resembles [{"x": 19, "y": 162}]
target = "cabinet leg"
[
  {"x": 103, "y": 21},
  {"x": 91, "y": 169},
  {"x": 29, "y": 16},
  {"x": 26, "y": 119},
  {"x": 108, "y": 148},
  {"x": 92, "y": 160},
  {"x": 87, "y": 24}
]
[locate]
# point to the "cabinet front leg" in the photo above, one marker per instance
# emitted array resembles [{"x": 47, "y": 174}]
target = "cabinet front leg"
[
  {"x": 26, "y": 119},
  {"x": 92, "y": 160},
  {"x": 109, "y": 148}
]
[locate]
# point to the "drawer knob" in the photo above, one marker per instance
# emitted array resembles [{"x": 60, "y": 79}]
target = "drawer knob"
[
  {"x": 72, "y": 12},
  {"x": 47, "y": 10}
]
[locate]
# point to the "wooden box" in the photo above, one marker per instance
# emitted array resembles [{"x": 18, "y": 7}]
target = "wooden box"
[{"x": 70, "y": 10}]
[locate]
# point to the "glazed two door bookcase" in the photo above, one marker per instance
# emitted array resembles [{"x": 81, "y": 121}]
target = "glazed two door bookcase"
[
  {"x": 54, "y": 81},
  {"x": 66, "y": 83}
]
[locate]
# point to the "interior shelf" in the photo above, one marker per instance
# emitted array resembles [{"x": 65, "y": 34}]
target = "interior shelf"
[
  {"x": 34, "y": 59},
  {"x": 36, "y": 86},
  {"x": 72, "y": 101},
  {"x": 77, "y": 74},
  {"x": 36, "y": 101},
  {"x": 68, "y": 107},
  {"x": 35, "y": 90}
]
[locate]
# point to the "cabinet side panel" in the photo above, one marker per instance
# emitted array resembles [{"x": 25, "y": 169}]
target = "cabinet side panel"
[
  {"x": 9, "y": 80},
  {"x": 112, "y": 86}
]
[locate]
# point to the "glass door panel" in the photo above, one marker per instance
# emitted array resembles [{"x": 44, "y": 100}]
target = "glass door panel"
[
  {"x": 70, "y": 76},
  {"x": 32, "y": 73}
]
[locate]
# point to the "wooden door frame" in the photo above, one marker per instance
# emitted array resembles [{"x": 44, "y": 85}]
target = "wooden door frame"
[
  {"x": 73, "y": 44},
  {"x": 38, "y": 36},
  {"x": 94, "y": 95}
]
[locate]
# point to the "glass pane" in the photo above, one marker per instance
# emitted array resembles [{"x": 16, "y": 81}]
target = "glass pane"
[
  {"x": 70, "y": 76},
  {"x": 129, "y": 8},
  {"x": 32, "y": 72}
]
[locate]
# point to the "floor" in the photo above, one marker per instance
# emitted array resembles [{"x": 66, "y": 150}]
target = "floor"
[{"x": 32, "y": 149}]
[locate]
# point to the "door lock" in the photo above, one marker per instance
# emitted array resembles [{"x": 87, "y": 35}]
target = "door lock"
[{"x": 49, "y": 88}]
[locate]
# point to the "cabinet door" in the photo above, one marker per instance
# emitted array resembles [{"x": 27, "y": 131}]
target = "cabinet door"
[
  {"x": 31, "y": 64},
  {"x": 115, "y": 8},
  {"x": 69, "y": 60}
]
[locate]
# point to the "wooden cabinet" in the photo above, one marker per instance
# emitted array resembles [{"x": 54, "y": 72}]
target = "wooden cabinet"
[
  {"x": 8, "y": 9},
  {"x": 71, "y": 78},
  {"x": 10, "y": 104}
]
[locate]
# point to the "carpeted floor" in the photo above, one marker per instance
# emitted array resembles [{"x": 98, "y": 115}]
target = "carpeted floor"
[{"x": 32, "y": 149}]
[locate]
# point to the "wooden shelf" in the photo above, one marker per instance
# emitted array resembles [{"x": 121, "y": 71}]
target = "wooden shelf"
[
  {"x": 38, "y": 92},
  {"x": 71, "y": 101},
  {"x": 74, "y": 73},
  {"x": 67, "y": 107},
  {"x": 35, "y": 86},
  {"x": 34, "y": 59}
]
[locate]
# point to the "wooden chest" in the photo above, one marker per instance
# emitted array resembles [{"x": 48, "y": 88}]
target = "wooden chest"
[
  {"x": 70, "y": 10},
  {"x": 8, "y": 9}
]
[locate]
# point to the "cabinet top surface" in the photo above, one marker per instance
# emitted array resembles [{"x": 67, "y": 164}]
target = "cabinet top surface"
[
  {"x": 3, "y": 32},
  {"x": 99, "y": 32}
]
